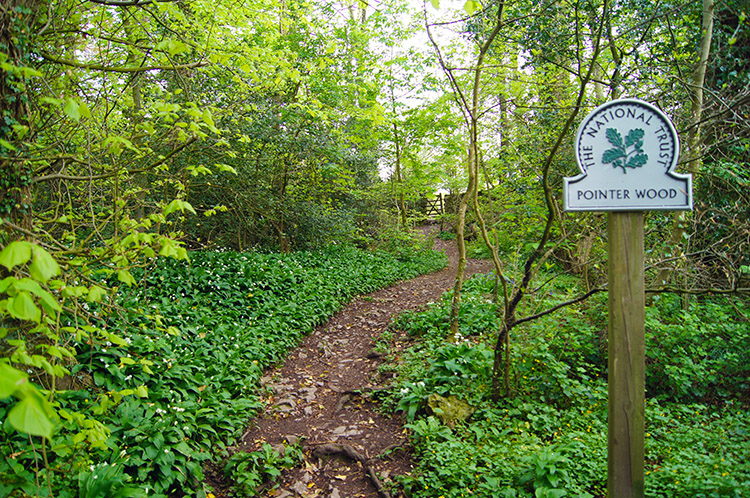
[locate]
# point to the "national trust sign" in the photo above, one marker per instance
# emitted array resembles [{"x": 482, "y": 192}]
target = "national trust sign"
[{"x": 627, "y": 151}]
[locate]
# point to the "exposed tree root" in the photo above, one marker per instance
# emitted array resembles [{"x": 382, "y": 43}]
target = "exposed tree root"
[{"x": 351, "y": 453}]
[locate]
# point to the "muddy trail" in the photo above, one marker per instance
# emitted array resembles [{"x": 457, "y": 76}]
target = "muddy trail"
[{"x": 321, "y": 396}]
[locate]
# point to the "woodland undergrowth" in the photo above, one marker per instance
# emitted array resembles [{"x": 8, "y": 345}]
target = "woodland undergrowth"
[
  {"x": 166, "y": 383},
  {"x": 548, "y": 436}
]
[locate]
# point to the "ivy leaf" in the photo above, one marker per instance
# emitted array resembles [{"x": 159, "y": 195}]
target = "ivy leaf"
[
  {"x": 16, "y": 253},
  {"x": 612, "y": 155},
  {"x": 614, "y": 137},
  {"x": 32, "y": 415}
]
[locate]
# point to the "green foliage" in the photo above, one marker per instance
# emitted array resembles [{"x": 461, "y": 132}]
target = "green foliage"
[
  {"x": 177, "y": 384},
  {"x": 446, "y": 235},
  {"x": 477, "y": 316},
  {"x": 721, "y": 192},
  {"x": 128, "y": 133},
  {"x": 550, "y": 438},
  {"x": 457, "y": 369},
  {"x": 402, "y": 242},
  {"x": 248, "y": 471},
  {"x": 107, "y": 480},
  {"x": 696, "y": 450},
  {"x": 548, "y": 474},
  {"x": 25, "y": 300},
  {"x": 698, "y": 354}
]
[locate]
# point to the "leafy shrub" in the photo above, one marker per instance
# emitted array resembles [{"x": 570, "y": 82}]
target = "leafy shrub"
[
  {"x": 548, "y": 474},
  {"x": 106, "y": 481},
  {"x": 176, "y": 385},
  {"x": 699, "y": 354},
  {"x": 550, "y": 438},
  {"x": 459, "y": 369},
  {"x": 500, "y": 453},
  {"x": 250, "y": 470},
  {"x": 433, "y": 321},
  {"x": 402, "y": 243},
  {"x": 694, "y": 450},
  {"x": 477, "y": 315},
  {"x": 446, "y": 235}
]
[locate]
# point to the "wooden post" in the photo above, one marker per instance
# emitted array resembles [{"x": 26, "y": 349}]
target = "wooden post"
[
  {"x": 626, "y": 355},
  {"x": 639, "y": 139}
]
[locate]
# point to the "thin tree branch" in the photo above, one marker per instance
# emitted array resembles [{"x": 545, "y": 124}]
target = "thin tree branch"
[
  {"x": 693, "y": 292},
  {"x": 121, "y": 69},
  {"x": 59, "y": 176},
  {"x": 129, "y": 3},
  {"x": 551, "y": 310}
]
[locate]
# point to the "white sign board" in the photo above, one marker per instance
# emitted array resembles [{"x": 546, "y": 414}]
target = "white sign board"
[{"x": 627, "y": 150}]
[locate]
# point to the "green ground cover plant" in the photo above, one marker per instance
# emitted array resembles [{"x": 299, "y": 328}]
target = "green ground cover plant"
[
  {"x": 548, "y": 437},
  {"x": 174, "y": 381}
]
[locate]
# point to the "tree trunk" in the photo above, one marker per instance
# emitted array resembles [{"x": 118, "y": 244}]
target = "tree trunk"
[
  {"x": 399, "y": 184},
  {"x": 461, "y": 244},
  {"x": 471, "y": 112},
  {"x": 16, "y": 20},
  {"x": 135, "y": 84},
  {"x": 693, "y": 146}
]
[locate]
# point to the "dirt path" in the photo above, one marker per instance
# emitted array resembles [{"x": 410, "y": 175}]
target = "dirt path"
[{"x": 315, "y": 396}]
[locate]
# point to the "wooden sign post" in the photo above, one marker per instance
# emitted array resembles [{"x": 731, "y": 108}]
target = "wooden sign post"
[
  {"x": 627, "y": 150},
  {"x": 627, "y": 368}
]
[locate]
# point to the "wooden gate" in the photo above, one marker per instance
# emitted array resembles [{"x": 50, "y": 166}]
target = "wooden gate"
[{"x": 435, "y": 207}]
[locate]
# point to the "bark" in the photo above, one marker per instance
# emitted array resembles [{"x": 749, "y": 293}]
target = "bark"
[
  {"x": 471, "y": 111},
  {"x": 693, "y": 145},
  {"x": 500, "y": 370},
  {"x": 17, "y": 19},
  {"x": 399, "y": 178}
]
